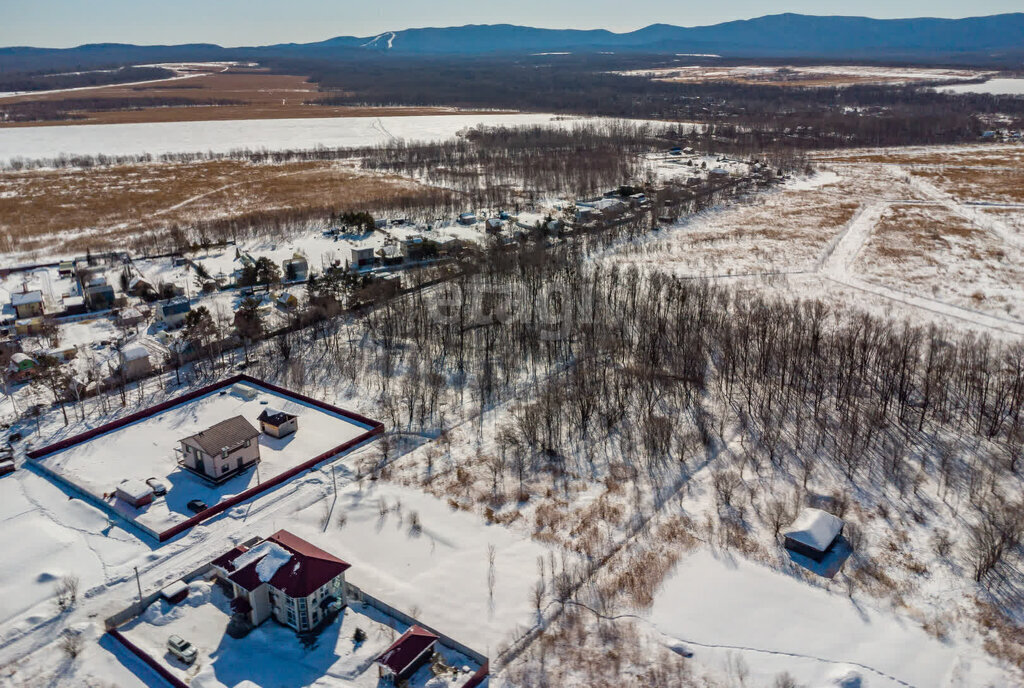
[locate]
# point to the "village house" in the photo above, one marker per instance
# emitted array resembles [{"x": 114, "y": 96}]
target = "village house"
[
  {"x": 407, "y": 654},
  {"x": 28, "y": 304},
  {"x": 287, "y": 300},
  {"x": 390, "y": 254},
  {"x": 295, "y": 269},
  {"x": 140, "y": 357},
  {"x": 99, "y": 295},
  {"x": 813, "y": 533},
  {"x": 34, "y": 325},
  {"x": 66, "y": 268},
  {"x": 140, "y": 286},
  {"x": 134, "y": 361},
  {"x": 277, "y": 423},
  {"x": 467, "y": 219},
  {"x": 222, "y": 451},
  {"x": 415, "y": 248},
  {"x": 362, "y": 257},
  {"x": 172, "y": 313},
  {"x": 283, "y": 577},
  {"x": 129, "y": 317},
  {"x": 21, "y": 366}
]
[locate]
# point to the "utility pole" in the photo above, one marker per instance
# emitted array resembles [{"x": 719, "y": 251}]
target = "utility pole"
[{"x": 138, "y": 583}]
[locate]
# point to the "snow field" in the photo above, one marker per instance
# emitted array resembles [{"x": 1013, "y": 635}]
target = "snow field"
[
  {"x": 717, "y": 602},
  {"x": 34, "y": 143}
]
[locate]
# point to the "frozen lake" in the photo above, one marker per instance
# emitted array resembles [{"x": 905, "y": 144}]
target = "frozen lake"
[
  {"x": 221, "y": 137},
  {"x": 999, "y": 87}
]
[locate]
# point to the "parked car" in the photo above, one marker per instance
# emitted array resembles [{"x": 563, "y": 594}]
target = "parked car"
[
  {"x": 197, "y": 505},
  {"x": 182, "y": 649},
  {"x": 159, "y": 489},
  {"x": 14, "y": 436}
]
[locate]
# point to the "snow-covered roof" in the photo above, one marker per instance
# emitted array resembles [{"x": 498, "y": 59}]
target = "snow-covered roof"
[
  {"x": 606, "y": 204},
  {"x": 175, "y": 588},
  {"x": 20, "y": 357},
  {"x": 134, "y": 352},
  {"x": 73, "y": 301},
  {"x": 815, "y": 528},
  {"x": 134, "y": 489},
  {"x": 288, "y": 563},
  {"x": 226, "y": 435},
  {"x": 23, "y": 298},
  {"x": 277, "y": 555}
]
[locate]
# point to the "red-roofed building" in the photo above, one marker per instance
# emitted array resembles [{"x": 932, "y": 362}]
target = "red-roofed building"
[
  {"x": 407, "y": 654},
  {"x": 285, "y": 577}
]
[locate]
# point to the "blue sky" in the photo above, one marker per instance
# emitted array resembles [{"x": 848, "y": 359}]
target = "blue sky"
[{"x": 63, "y": 23}]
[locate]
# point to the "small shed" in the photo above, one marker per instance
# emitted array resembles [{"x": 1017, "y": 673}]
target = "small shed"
[
  {"x": 134, "y": 492},
  {"x": 813, "y": 533},
  {"x": 277, "y": 423},
  {"x": 74, "y": 305},
  {"x": 467, "y": 219},
  {"x": 287, "y": 300},
  {"x": 175, "y": 592},
  {"x": 408, "y": 653}
]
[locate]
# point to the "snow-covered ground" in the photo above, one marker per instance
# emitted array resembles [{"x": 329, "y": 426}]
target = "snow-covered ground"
[
  {"x": 717, "y": 602},
  {"x": 147, "y": 449},
  {"x": 272, "y": 656},
  {"x": 32, "y": 143},
  {"x": 1008, "y": 87}
]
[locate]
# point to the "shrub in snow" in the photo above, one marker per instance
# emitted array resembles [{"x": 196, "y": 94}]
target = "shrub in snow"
[
  {"x": 66, "y": 592},
  {"x": 71, "y": 642}
]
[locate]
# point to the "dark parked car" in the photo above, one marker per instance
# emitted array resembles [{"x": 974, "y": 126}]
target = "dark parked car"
[
  {"x": 197, "y": 505},
  {"x": 159, "y": 489}
]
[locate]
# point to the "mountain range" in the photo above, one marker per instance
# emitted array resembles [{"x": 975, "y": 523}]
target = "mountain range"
[{"x": 990, "y": 39}]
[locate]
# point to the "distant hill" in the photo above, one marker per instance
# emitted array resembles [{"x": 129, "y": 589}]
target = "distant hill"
[{"x": 997, "y": 38}]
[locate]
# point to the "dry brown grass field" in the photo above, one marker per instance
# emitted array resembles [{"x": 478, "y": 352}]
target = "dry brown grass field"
[
  {"x": 75, "y": 209},
  {"x": 261, "y": 95}
]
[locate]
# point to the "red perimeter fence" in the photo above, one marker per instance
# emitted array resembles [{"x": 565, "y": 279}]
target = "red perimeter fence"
[
  {"x": 375, "y": 428},
  {"x": 156, "y": 666}
]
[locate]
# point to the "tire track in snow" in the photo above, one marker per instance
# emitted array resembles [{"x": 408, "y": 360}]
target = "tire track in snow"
[
  {"x": 743, "y": 648},
  {"x": 837, "y": 261}
]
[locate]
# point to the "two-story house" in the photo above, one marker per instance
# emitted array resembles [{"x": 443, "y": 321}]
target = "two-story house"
[
  {"x": 283, "y": 577},
  {"x": 222, "y": 451}
]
